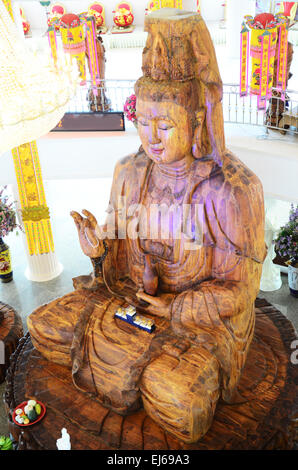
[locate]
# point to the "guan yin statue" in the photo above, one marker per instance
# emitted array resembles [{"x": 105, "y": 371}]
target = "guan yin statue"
[{"x": 166, "y": 319}]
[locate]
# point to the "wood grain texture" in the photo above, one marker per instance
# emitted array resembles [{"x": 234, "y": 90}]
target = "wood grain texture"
[
  {"x": 197, "y": 273},
  {"x": 11, "y": 330},
  {"x": 264, "y": 415}
]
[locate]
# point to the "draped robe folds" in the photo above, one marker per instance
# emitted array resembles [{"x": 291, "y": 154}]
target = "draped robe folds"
[{"x": 212, "y": 289}]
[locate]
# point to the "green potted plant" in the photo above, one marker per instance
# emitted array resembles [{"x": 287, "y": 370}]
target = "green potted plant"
[
  {"x": 286, "y": 245},
  {"x": 7, "y": 224}
]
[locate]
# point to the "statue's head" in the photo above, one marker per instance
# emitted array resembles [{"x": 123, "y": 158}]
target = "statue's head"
[
  {"x": 179, "y": 89},
  {"x": 169, "y": 117}
]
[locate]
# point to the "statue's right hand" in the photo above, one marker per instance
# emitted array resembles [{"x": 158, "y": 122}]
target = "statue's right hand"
[{"x": 88, "y": 230}]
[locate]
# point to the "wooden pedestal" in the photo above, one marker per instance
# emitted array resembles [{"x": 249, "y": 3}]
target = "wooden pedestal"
[
  {"x": 265, "y": 415},
  {"x": 11, "y": 330}
]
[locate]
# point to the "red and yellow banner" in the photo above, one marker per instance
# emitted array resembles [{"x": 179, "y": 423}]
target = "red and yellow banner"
[
  {"x": 282, "y": 57},
  {"x": 285, "y": 61},
  {"x": 199, "y": 6},
  {"x": 92, "y": 53},
  {"x": 244, "y": 45},
  {"x": 53, "y": 43},
  {"x": 264, "y": 69},
  {"x": 35, "y": 213}
]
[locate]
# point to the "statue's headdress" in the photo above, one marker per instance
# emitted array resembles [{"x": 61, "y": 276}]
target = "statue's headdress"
[{"x": 179, "y": 48}]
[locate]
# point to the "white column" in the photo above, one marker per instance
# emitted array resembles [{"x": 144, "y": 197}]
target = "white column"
[
  {"x": 236, "y": 10},
  {"x": 41, "y": 268}
]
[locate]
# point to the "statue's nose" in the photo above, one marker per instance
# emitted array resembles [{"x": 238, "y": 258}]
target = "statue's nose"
[{"x": 153, "y": 133}]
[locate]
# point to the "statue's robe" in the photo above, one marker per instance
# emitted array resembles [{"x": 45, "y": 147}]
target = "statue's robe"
[{"x": 181, "y": 370}]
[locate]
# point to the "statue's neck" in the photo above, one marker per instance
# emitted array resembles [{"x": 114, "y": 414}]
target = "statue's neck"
[{"x": 177, "y": 170}]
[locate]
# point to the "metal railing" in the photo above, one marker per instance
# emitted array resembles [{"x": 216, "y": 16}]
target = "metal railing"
[{"x": 280, "y": 114}]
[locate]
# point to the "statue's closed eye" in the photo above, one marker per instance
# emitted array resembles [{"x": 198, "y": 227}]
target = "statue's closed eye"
[
  {"x": 165, "y": 125},
  {"x": 143, "y": 122}
]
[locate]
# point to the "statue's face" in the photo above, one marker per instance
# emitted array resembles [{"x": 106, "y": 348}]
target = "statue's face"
[{"x": 165, "y": 130}]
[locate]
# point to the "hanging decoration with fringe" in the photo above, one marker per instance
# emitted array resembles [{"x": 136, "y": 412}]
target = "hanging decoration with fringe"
[
  {"x": 244, "y": 44},
  {"x": 35, "y": 213},
  {"x": 53, "y": 43},
  {"x": 73, "y": 41},
  {"x": 265, "y": 29},
  {"x": 289, "y": 9},
  {"x": 92, "y": 53},
  {"x": 78, "y": 35}
]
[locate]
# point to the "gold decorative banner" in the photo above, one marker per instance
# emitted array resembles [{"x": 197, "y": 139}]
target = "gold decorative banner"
[
  {"x": 281, "y": 55},
  {"x": 285, "y": 60},
  {"x": 264, "y": 69},
  {"x": 244, "y": 60},
  {"x": 35, "y": 213},
  {"x": 53, "y": 43},
  {"x": 92, "y": 53}
]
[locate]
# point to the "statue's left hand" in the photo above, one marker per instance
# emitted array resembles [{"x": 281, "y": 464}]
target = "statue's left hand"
[{"x": 158, "y": 305}]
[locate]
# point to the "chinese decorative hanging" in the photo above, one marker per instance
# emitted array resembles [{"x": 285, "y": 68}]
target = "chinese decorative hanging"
[
  {"x": 78, "y": 35},
  {"x": 289, "y": 9},
  {"x": 56, "y": 12},
  {"x": 266, "y": 29}
]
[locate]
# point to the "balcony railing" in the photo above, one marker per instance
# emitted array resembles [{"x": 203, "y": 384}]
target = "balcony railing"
[{"x": 280, "y": 114}]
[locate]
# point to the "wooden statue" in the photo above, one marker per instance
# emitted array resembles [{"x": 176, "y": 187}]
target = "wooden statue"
[{"x": 183, "y": 244}]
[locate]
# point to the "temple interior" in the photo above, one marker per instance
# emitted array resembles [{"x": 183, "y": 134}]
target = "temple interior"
[{"x": 77, "y": 166}]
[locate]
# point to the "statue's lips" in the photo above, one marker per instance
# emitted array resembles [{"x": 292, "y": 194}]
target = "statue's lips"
[{"x": 156, "y": 151}]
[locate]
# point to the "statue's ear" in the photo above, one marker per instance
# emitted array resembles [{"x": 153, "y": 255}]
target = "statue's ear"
[{"x": 200, "y": 146}]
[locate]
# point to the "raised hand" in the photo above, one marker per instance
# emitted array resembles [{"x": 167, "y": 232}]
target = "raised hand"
[{"x": 89, "y": 232}]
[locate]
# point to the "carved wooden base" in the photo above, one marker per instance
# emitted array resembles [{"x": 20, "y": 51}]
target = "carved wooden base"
[
  {"x": 11, "y": 330},
  {"x": 265, "y": 415}
]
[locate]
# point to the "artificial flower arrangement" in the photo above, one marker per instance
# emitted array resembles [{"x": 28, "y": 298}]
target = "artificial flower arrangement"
[
  {"x": 7, "y": 215},
  {"x": 286, "y": 243},
  {"x": 130, "y": 109}
]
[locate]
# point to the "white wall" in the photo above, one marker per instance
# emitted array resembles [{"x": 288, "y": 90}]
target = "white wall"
[{"x": 212, "y": 10}]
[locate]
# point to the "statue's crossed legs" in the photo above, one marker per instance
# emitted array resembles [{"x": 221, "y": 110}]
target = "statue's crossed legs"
[{"x": 177, "y": 382}]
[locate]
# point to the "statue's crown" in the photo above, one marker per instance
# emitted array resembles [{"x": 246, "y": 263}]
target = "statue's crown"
[{"x": 171, "y": 52}]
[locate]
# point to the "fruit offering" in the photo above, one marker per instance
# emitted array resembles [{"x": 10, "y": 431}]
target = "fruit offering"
[{"x": 28, "y": 412}]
